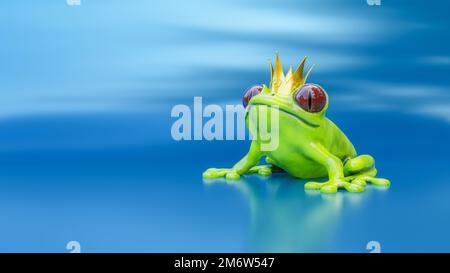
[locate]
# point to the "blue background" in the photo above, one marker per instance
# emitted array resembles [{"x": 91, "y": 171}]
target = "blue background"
[{"x": 86, "y": 152}]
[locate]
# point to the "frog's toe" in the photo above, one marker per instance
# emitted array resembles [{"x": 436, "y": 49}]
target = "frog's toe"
[
  {"x": 265, "y": 171},
  {"x": 329, "y": 189},
  {"x": 379, "y": 181},
  {"x": 359, "y": 182},
  {"x": 232, "y": 175},
  {"x": 334, "y": 186},
  {"x": 214, "y": 173},
  {"x": 351, "y": 187},
  {"x": 314, "y": 185}
]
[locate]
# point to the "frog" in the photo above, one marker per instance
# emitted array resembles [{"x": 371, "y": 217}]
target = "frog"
[{"x": 310, "y": 146}]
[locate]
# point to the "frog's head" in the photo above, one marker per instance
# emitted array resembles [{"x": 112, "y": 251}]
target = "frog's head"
[{"x": 290, "y": 93}]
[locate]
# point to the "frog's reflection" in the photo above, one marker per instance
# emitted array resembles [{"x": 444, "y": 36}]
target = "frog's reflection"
[{"x": 285, "y": 218}]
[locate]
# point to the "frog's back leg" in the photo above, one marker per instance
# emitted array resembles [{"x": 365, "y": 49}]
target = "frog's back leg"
[
  {"x": 359, "y": 164},
  {"x": 361, "y": 169}
]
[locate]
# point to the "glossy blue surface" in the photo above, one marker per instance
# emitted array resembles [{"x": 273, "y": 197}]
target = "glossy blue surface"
[{"x": 86, "y": 152}]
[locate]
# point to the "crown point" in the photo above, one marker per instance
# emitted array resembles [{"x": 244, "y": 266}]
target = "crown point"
[
  {"x": 289, "y": 82},
  {"x": 309, "y": 71}
]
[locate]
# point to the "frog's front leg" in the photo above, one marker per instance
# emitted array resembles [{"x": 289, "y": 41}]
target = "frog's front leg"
[
  {"x": 244, "y": 165},
  {"x": 335, "y": 171}
]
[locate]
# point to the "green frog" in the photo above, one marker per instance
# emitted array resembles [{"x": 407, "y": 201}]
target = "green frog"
[{"x": 309, "y": 145}]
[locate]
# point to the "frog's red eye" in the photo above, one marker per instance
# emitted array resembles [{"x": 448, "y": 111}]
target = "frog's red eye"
[
  {"x": 250, "y": 92},
  {"x": 312, "y": 98}
]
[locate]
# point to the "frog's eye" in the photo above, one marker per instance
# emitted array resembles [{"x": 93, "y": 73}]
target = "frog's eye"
[
  {"x": 311, "y": 97},
  {"x": 250, "y": 92}
]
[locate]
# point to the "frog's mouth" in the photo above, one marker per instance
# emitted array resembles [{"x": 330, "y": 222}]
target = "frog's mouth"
[{"x": 282, "y": 109}]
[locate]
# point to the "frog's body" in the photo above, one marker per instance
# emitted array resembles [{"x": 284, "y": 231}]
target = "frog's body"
[
  {"x": 309, "y": 144},
  {"x": 328, "y": 135}
]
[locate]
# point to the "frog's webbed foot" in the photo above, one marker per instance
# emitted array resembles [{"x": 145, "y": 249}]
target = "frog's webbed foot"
[
  {"x": 333, "y": 185},
  {"x": 232, "y": 174},
  {"x": 361, "y": 170},
  {"x": 366, "y": 177},
  {"x": 352, "y": 183},
  {"x": 221, "y": 172}
]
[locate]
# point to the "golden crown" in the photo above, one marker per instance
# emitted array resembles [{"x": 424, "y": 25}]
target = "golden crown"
[{"x": 286, "y": 84}]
